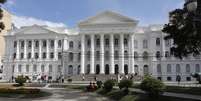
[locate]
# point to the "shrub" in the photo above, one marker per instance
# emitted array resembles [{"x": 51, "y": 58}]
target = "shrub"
[
  {"x": 20, "y": 80},
  {"x": 108, "y": 85},
  {"x": 70, "y": 80},
  {"x": 125, "y": 84},
  {"x": 99, "y": 84},
  {"x": 152, "y": 86}
]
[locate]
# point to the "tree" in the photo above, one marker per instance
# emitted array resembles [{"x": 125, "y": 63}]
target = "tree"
[
  {"x": 2, "y": 26},
  {"x": 20, "y": 80},
  {"x": 184, "y": 31}
]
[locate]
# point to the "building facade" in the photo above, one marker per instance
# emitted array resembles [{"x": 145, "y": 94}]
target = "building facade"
[
  {"x": 108, "y": 43},
  {"x": 6, "y": 19}
]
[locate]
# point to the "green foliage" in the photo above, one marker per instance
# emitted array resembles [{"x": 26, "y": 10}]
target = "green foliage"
[
  {"x": 125, "y": 84},
  {"x": 3, "y": 1},
  {"x": 99, "y": 84},
  {"x": 108, "y": 85},
  {"x": 2, "y": 26},
  {"x": 152, "y": 86},
  {"x": 128, "y": 98},
  {"x": 20, "y": 80}
]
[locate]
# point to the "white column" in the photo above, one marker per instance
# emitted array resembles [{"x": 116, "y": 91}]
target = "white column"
[
  {"x": 122, "y": 53},
  {"x": 18, "y": 50},
  {"x": 82, "y": 54},
  {"x": 40, "y": 49},
  {"x": 132, "y": 49},
  {"x": 102, "y": 51},
  {"x": 47, "y": 49},
  {"x": 65, "y": 44},
  {"x": 32, "y": 49},
  {"x": 25, "y": 49},
  {"x": 92, "y": 55},
  {"x": 55, "y": 49},
  {"x": 112, "y": 53}
]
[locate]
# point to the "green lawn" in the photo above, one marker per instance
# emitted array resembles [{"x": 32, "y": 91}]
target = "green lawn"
[{"x": 184, "y": 90}]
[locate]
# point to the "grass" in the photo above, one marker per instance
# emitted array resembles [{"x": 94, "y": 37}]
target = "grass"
[
  {"x": 22, "y": 93},
  {"x": 184, "y": 90},
  {"x": 76, "y": 87}
]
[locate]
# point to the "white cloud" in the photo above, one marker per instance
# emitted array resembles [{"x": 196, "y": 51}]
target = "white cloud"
[
  {"x": 20, "y": 21},
  {"x": 10, "y": 3}
]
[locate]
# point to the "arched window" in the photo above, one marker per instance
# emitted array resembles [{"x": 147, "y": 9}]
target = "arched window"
[
  {"x": 70, "y": 70},
  {"x": 71, "y": 44},
  {"x": 158, "y": 42},
  {"x": 88, "y": 69},
  {"x": 197, "y": 68},
  {"x": 159, "y": 68},
  {"x": 178, "y": 68},
  {"x": 146, "y": 69},
  {"x": 116, "y": 42},
  {"x": 167, "y": 54},
  {"x": 169, "y": 68},
  {"x": 126, "y": 55},
  {"x": 158, "y": 55},
  {"x": 70, "y": 56},
  {"x": 136, "y": 55},
  {"x": 125, "y": 41},
  {"x": 188, "y": 68},
  {"x": 136, "y": 68},
  {"x": 145, "y": 44},
  {"x": 145, "y": 55},
  {"x": 97, "y": 42},
  {"x": 88, "y": 42}
]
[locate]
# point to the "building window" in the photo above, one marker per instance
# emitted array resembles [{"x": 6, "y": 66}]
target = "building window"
[
  {"x": 15, "y": 44},
  {"x": 158, "y": 55},
  {"x": 188, "y": 68},
  {"x": 29, "y": 55},
  {"x": 126, "y": 55},
  {"x": 14, "y": 55},
  {"x": 59, "y": 55},
  {"x": 107, "y": 43},
  {"x": 50, "y": 68},
  {"x": 197, "y": 68},
  {"x": 167, "y": 54},
  {"x": 71, "y": 44},
  {"x": 19, "y": 68},
  {"x": 158, "y": 41},
  {"x": 51, "y": 55},
  {"x": 159, "y": 71},
  {"x": 29, "y": 44},
  {"x": 71, "y": 56},
  {"x": 21, "y": 55},
  {"x": 59, "y": 44},
  {"x": 116, "y": 42},
  {"x": 34, "y": 68},
  {"x": 44, "y": 55},
  {"x": 116, "y": 55},
  {"x": 169, "y": 68},
  {"x": 22, "y": 44},
  {"x": 36, "y": 44},
  {"x": 44, "y": 43},
  {"x": 98, "y": 42},
  {"x": 88, "y": 55},
  {"x": 135, "y": 44},
  {"x": 107, "y": 55},
  {"x": 52, "y": 43},
  {"x": 42, "y": 68},
  {"x": 136, "y": 68},
  {"x": 145, "y": 44},
  {"x": 79, "y": 45},
  {"x": 97, "y": 55},
  {"x": 145, "y": 56},
  {"x": 188, "y": 78},
  {"x": 167, "y": 43},
  {"x": 136, "y": 56},
  {"x": 36, "y": 55},
  {"x": 125, "y": 41},
  {"x": 27, "y": 68},
  {"x": 79, "y": 57},
  {"x": 88, "y": 42},
  {"x": 178, "y": 68}
]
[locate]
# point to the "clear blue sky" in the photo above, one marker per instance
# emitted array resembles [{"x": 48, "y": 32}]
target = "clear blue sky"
[{"x": 70, "y": 12}]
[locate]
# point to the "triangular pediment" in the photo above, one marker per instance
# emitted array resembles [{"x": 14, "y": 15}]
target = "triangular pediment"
[
  {"x": 107, "y": 17},
  {"x": 35, "y": 29}
]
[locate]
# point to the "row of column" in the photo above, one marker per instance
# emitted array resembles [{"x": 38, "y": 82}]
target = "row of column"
[
  {"x": 40, "y": 49},
  {"x": 102, "y": 50}
]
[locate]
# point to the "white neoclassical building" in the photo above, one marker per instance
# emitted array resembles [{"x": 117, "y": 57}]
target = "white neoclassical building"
[{"x": 108, "y": 43}]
